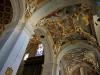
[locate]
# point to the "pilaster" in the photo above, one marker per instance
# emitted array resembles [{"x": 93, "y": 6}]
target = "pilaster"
[{"x": 13, "y": 50}]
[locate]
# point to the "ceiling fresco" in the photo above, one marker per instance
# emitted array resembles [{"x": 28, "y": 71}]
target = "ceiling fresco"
[{"x": 68, "y": 24}]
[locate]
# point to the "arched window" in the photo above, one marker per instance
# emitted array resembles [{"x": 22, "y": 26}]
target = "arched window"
[{"x": 39, "y": 50}]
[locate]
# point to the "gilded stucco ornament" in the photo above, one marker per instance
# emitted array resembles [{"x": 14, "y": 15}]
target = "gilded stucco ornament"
[
  {"x": 91, "y": 40},
  {"x": 30, "y": 8},
  {"x": 33, "y": 44}
]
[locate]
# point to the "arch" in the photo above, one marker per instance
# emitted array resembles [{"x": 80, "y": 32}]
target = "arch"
[
  {"x": 71, "y": 46},
  {"x": 47, "y": 42},
  {"x": 76, "y": 44},
  {"x": 49, "y": 59}
]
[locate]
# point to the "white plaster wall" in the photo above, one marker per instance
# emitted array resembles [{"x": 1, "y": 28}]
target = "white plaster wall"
[
  {"x": 17, "y": 53},
  {"x": 97, "y": 28}
]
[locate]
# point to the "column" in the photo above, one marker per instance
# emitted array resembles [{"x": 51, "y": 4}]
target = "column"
[
  {"x": 14, "y": 50},
  {"x": 7, "y": 47}
]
